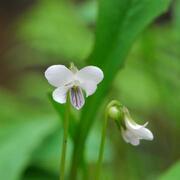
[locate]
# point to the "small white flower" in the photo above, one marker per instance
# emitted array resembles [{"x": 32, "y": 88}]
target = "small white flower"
[
  {"x": 132, "y": 132},
  {"x": 73, "y": 81}
]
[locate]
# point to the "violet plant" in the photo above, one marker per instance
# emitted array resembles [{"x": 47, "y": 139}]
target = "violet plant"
[
  {"x": 70, "y": 84},
  {"x": 115, "y": 33},
  {"x": 87, "y": 134}
]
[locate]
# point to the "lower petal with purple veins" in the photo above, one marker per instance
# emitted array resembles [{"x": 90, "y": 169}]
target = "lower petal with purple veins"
[{"x": 77, "y": 97}]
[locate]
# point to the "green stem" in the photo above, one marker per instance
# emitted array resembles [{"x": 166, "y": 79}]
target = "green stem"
[
  {"x": 101, "y": 150},
  {"x": 78, "y": 156},
  {"x": 65, "y": 136}
]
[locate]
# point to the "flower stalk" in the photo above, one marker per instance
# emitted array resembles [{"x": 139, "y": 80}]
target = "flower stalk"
[
  {"x": 101, "y": 149},
  {"x": 131, "y": 131},
  {"x": 65, "y": 136},
  {"x": 111, "y": 112}
]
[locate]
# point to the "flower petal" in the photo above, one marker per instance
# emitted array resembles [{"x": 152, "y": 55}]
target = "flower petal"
[
  {"x": 130, "y": 124},
  {"x": 90, "y": 73},
  {"x": 135, "y": 141},
  {"x": 124, "y": 135},
  {"x": 139, "y": 130},
  {"x": 144, "y": 133},
  {"x": 60, "y": 94},
  {"x": 129, "y": 137},
  {"x": 89, "y": 87},
  {"x": 58, "y": 75},
  {"x": 77, "y": 97}
]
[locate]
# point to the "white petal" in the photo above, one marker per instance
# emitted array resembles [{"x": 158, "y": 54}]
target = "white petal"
[
  {"x": 124, "y": 135},
  {"x": 129, "y": 137},
  {"x": 135, "y": 141},
  {"x": 139, "y": 130},
  {"x": 144, "y": 133},
  {"x": 77, "y": 97},
  {"x": 89, "y": 87},
  {"x": 58, "y": 75},
  {"x": 130, "y": 124},
  {"x": 60, "y": 94},
  {"x": 90, "y": 73}
]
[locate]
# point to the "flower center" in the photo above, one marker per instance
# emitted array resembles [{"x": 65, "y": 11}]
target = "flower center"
[{"x": 74, "y": 83}]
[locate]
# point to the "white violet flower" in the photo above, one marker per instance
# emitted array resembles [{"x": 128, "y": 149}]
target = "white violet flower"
[
  {"x": 132, "y": 132},
  {"x": 73, "y": 81}
]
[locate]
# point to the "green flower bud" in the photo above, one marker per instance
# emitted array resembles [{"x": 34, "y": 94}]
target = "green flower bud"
[{"x": 115, "y": 112}]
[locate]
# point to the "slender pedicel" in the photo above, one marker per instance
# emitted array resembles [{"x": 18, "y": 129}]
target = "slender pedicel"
[
  {"x": 64, "y": 145},
  {"x": 111, "y": 111}
]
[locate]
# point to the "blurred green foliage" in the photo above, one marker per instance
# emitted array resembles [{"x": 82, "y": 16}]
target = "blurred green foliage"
[
  {"x": 59, "y": 32},
  {"x": 55, "y": 28},
  {"x": 173, "y": 173}
]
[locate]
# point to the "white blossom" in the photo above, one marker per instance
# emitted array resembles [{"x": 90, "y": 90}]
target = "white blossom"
[
  {"x": 74, "y": 82},
  {"x": 132, "y": 132}
]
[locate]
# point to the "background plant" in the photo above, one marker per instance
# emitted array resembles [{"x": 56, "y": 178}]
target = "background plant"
[{"x": 103, "y": 33}]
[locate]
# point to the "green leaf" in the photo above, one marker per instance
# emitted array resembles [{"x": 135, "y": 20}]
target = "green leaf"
[
  {"x": 47, "y": 156},
  {"x": 176, "y": 19},
  {"x": 119, "y": 23},
  {"x": 18, "y": 141},
  {"x": 144, "y": 96},
  {"x": 88, "y": 11},
  {"x": 53, "y": 27},
  {"x": 171, "y": 174},
  {"x": 116, "y": 32}
]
